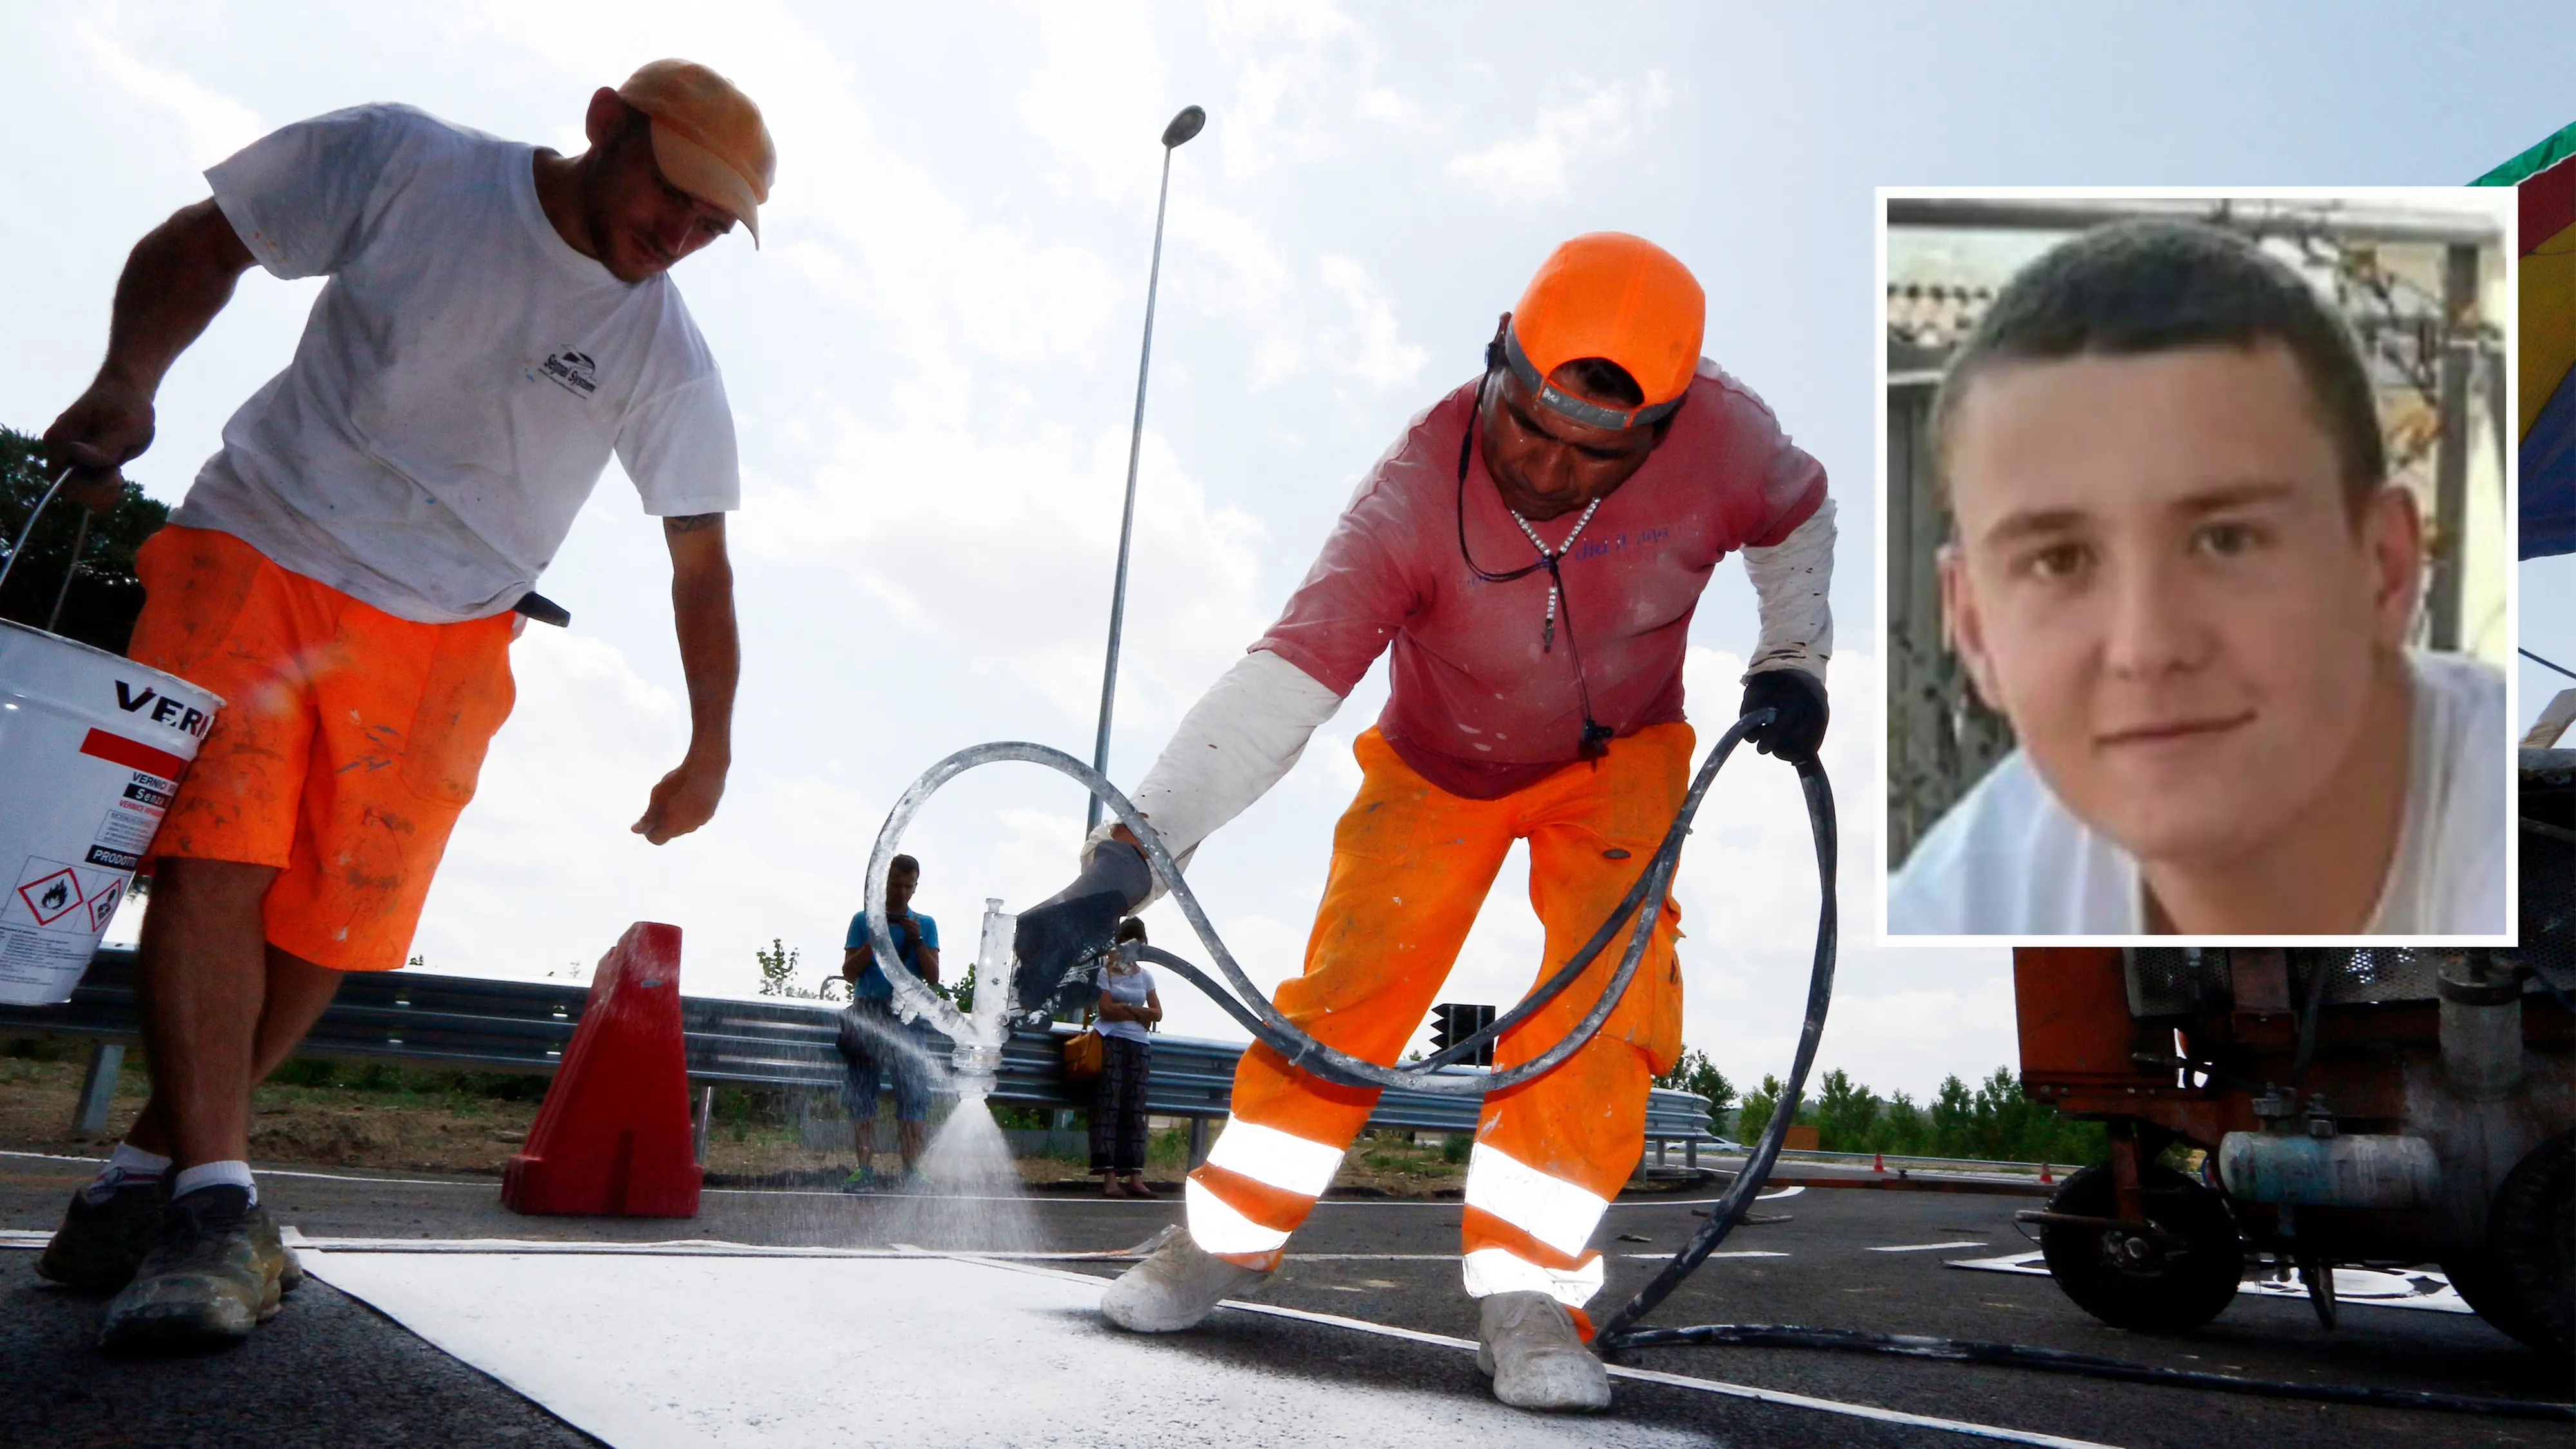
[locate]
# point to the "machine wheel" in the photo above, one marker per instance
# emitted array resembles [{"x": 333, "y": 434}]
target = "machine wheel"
[
  {"x": 2479, "y": 1279},
  {"x": 2531, "y": 1240},
  {"x": 2127, "y": 1280}
]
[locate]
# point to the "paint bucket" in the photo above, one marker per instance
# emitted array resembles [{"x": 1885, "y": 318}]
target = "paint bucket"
[{"x": 92, "y": 746}]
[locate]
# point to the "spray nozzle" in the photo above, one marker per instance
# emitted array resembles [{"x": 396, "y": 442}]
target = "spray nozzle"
[{"x": 974, "y": 1059}]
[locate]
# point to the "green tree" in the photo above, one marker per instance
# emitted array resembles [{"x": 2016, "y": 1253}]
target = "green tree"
[
  {"x": 103, "y": 598},
  {"x": 1694, "y": 1072},
  {"x": 1846, "y": 1114},
  {"x": 1902, "y": 1127},
  {"x": 1760, "y": 1106},
  {"x": 1953, "y": 1119},
  {"x": 778, "y": 970}
]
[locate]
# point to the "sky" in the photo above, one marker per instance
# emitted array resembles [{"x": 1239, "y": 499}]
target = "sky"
[{"x": 932, "y": 366}]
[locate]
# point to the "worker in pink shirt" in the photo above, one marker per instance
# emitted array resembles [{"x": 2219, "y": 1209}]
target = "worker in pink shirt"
[{"x": 1532, "y": 550}]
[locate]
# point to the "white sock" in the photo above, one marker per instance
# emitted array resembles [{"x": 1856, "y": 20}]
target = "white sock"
[
  {"x": 134, "y": 1162},
  {"x": 210, "y": 1174},
  {"x": 126, "y": 1164}
]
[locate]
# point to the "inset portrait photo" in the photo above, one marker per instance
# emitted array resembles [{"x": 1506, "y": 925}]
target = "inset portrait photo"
[{"x": 2196, "y": 545}]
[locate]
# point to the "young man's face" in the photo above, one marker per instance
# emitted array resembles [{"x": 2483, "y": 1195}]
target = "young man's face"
[
  {"x": 899, "y": 888},
  {"x": 2158, "y": 579}
]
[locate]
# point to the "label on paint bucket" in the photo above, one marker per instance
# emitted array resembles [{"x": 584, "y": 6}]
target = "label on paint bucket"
[
  {"x": 51, "y": 921},
  {"x": 92, "y": 747}
]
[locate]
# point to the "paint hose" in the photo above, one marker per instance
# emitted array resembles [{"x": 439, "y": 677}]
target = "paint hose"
[{"x": 1240, "y": 999}]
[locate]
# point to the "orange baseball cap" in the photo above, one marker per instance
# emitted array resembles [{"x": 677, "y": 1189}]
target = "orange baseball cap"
[
  {"x": 1610, "y": 295},
  {"x": 708, "y": 137}
]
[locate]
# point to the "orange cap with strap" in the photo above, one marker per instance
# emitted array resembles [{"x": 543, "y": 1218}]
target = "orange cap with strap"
[
  {"x": 1622, "y": 298},
  {"x": 708, "y": 137}
]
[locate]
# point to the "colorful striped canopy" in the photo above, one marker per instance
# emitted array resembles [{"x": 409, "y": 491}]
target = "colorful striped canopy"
[{"x": 2544, "y": 179}]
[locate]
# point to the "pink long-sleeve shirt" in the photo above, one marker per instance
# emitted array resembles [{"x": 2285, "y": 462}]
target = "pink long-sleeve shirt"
[{"x": 1475, "y": 703}]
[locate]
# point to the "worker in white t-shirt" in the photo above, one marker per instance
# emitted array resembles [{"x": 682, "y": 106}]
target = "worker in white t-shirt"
[
  {"x": 344, "y": 572},
  {"x": 2178, "y": 568}
]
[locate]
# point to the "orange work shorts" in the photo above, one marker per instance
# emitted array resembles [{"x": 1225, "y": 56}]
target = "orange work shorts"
[{"x": 348, "y": 743}]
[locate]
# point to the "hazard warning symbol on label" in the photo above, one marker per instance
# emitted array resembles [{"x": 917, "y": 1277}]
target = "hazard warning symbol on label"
[
  {"x": 102, "y": 906},
  {"x": 49, "y": 898}
]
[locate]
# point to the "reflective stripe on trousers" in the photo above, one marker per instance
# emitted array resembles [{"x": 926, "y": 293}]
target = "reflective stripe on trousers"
[
  {"x": 1256, "y": 1186},
  {"x": 1412, "y": 865}
]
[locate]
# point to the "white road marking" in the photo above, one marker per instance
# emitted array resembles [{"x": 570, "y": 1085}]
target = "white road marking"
[
  {"x": 1706, "y": 1386},
  {"x": 1709, "y": 1386},
  {"x": 594, "y": 1341},
  {"x": 2418, "y": 1287},
  {"x": 2010, "y": 1263},
  {"x": 1926, "y": 1247},
  {"x": 289, "y": 1172}
]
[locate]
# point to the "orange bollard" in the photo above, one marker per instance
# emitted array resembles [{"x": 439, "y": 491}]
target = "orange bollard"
[
  {"x": 2044, "y": 1178},
  {"x": 1878, "y": 1162},
  {"x": 613, "y": 1133}
]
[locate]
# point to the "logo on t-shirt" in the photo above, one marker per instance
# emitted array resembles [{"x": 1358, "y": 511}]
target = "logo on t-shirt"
[{"x": 574, "y": 372}]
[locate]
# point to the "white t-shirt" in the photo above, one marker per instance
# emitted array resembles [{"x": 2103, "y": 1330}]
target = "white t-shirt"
[
  {"x": 462, "y": 379},
  {"x": 1127, "y": 988},
  {"x": 2009, "y": 860}
]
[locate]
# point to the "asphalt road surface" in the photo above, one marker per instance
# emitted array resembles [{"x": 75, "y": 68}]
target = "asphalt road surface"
[{"x": 330, "y": 1370}]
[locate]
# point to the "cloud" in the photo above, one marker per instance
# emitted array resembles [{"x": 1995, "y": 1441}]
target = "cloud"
[
  {"x": 1539, "y": 165},
  {"x": 1301, "y": 73},
  {"x": 214, "y": 124},
  {"x": 1369, "y": 348}
]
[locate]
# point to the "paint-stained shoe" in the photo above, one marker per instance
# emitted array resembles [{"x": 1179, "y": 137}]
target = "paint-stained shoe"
[
  {"x": 203, "y": 1280},
  {"x": 1176, "y": 1287},
  {"x": 104, "y": 1232},
  {"x": 1528, "y": 1343},
  {"x": 276, "y": 1258}
]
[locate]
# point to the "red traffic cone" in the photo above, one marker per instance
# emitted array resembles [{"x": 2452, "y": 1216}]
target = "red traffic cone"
[
  {"x": 613, "y": 1133},
  {"x": 1878, "y": 1162},
  {"x": 2044, "y": 1176}
]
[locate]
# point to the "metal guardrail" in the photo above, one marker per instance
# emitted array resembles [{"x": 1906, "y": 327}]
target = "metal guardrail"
[
  {"x": 463, "y": 1023},
  {"x": 1908, "y": 1159}
]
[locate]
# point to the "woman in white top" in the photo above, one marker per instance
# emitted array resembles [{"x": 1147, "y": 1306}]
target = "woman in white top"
[{"x": 1128, "y": 1009}]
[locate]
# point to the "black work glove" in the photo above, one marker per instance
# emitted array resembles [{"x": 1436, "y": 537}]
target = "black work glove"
[
  {"x": 1796, "y": 700},
  {"x": 1055, "y": 935}
]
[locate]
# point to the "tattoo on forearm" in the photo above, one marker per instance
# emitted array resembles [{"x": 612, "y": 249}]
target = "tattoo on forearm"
[{"x": 693, "y": 522}]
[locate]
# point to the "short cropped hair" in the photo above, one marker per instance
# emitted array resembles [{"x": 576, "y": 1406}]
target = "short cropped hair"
[
  {"x": 1601, "y": 378},
  {"x": 903, "y": 865},
  {"x": 1607, "y": 381},
  {"x": 2136, "y": 287}
]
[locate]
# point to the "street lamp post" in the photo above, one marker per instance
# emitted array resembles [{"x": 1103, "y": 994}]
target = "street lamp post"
[{"x": 1183, "y": 127}]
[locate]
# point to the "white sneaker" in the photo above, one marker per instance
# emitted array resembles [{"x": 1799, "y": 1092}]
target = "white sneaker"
[
  {"x": 1176, "y": 1288},
  {"x": 1537, "y": 1361}
]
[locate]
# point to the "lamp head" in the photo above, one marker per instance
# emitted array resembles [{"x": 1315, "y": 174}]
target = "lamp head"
[{"x": 1184, "y": 126}]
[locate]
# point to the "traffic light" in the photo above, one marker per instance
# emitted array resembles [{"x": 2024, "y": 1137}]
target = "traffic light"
[{"x": 1454, "y": 1021}]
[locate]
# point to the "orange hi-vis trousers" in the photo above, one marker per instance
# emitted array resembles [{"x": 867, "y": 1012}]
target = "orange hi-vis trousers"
[{"x": 1412, "y": 864}]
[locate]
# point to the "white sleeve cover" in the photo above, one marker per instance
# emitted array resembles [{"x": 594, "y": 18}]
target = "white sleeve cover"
[
  {"x": 1240, "y": 739},
  {"x": 1791, "y": 580}
]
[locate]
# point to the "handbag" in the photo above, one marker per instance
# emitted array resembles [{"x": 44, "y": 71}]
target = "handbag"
[{"x": 1083, "y": 1054}]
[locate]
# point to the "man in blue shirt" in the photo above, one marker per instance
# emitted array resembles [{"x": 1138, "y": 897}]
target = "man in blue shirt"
[{"x": 874, "y": 1041}]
